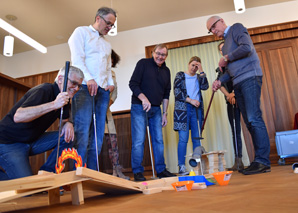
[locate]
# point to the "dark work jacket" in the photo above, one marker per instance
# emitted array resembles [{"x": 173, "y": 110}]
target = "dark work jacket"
[
  {"x": 11, "y": 132},
  {"x": 151, "y": 80}
]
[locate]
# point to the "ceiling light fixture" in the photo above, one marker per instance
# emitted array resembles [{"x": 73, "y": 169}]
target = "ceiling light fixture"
[
  {"x": 17, "y": 33},
  {"x": 239, "y": 6},
  {"x": 113, "y": 31},
  {"x": 8, "y": 46}
]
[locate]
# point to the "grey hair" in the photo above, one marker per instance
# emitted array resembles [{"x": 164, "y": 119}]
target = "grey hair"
[
  {"x": 103, "y": 11},
  {"x": 72, "y": 70}
]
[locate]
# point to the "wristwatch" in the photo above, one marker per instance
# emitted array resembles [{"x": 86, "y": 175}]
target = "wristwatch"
[
  {"x": 165, "y": 113},
  {"x": 225, "y": 58}
]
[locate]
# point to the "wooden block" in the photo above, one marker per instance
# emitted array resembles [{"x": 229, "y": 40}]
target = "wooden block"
[
  {"x": 199, "y": 186},
  {"x": 54, "y": 196},
  {"x": 77, "y": 194},
  {"x": 152, "y": 191}
]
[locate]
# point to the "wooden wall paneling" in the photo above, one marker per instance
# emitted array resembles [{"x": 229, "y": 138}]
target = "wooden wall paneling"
[{"x": 123, "y": 128}]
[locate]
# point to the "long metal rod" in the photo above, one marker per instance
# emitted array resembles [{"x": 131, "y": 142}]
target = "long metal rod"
[
  {"x": 149, "y": 141},
  {"x": 200, "y": 138},
  {"x": 67, "y": 63},
  {"x": 207, "y": 112},
  {"x": 235, "y": 136},
  {"x": 95, "y": 132}
]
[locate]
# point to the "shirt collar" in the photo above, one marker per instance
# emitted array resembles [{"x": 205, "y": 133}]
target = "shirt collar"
[
  {"x": 94, "y": 30},
  {"x": 226, "y": 30}
]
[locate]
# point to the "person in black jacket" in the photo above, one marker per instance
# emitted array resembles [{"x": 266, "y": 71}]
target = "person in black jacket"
[
  {"x": 150, "y": 84},
  {"x": 22, "y": 130}
]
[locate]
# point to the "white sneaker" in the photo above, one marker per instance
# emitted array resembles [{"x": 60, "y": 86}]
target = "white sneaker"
[{"x": 182, "y": 170}]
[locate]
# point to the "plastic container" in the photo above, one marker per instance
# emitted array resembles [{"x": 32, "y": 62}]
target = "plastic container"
[
  {"x": 222, "y": 178},
  {"x": 182, "y": 185}
]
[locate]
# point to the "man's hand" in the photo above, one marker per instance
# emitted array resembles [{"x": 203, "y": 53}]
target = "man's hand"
[
  {"x": 92, "y": 87},
  {"x": 68, "y": 132},
  {"x": 222, "y": 62},
  {"x": 61, "y": 100},
  {"x": 110, "y": 88},
  {"x": 216, "y": 85},
  {"x": 146, "y": 104},
  {"x": 164, "y": 121}
]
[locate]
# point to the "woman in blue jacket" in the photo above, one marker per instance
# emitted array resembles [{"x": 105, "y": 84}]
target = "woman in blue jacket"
[{"x": 189, "y": 107}]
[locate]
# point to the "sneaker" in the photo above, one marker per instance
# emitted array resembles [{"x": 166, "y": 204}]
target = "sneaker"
[
  {"x": 139, "y": 176},
  {"x": 165, "y": 173},
  {"x": 182, "y": 170}
]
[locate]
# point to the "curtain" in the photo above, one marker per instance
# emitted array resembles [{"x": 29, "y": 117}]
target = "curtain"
[{"x": 217, "y": 133}]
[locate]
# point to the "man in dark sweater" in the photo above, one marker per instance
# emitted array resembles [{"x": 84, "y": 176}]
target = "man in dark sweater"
[
  {"x": 22, "y": 130},
  {"x": 242, "y": 61},
  {"x": 150, "y": 85}
]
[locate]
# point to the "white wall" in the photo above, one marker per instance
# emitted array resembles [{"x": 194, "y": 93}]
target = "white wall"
[{"x": 130, "y": 45}]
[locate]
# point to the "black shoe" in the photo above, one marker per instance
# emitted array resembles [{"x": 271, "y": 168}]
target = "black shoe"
[
  {"x": 256, "y": 168},
  {"x": 165, "y": 173},
  {"x": 139, "y": 176}
]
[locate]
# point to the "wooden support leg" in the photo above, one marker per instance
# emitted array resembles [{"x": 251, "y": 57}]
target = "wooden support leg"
[
  {"x": 77, "y": 194},
  {"x": 54, "y": 196}
]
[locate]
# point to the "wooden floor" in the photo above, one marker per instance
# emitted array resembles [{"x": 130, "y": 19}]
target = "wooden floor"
[{"x": 276, "y": 191}]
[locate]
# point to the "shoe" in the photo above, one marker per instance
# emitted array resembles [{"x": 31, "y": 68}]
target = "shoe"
[
  {"x": 117, "y": 171},
  {"x": 139, "y": 176},
  {"x": 182, "y": 170},
  {"x": 165, "y": 173},
  {"x": 238, "y": 165},
  {"x": 256, "y": 168}
]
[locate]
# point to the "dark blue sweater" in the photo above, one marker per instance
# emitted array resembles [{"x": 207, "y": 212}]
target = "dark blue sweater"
[
  {"x": 243, "y": 58},
  {"x": 151, "y": 80}
]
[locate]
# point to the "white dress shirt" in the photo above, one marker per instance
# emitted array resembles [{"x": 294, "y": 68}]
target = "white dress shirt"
[{"x": 92, "y": 54}]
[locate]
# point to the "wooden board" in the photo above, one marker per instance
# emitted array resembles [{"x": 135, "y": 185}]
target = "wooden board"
[{"x": 108, "y": 184}]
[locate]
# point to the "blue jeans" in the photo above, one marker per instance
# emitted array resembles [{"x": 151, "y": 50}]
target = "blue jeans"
[
  {"x": 193, "y": 115},
  {"x": 84, "y": 125},
  {"x": 248, "y": 94},
  {"x": 234, "y": 116},
  {"x": 138, "y": 134},
  {"x": 14, "y": 158}
]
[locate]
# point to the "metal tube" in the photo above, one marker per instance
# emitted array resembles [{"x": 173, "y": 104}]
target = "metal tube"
[
  {"x": 67, "y": 63},
  {"x": 95, "y": 132},
  {"x": 149, "y": 141}
]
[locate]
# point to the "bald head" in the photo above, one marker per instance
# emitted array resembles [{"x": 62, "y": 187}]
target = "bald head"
[{"x": 216, "y": 25}]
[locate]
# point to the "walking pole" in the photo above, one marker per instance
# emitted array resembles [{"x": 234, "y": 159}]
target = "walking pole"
[
  {"x": 95, "y": 133},
  {"x": 235, "y": 135},
  {"x": 61, "y": 110},
  {"x": 149, "y": 140},
  {"x": 207, "y": 112}
]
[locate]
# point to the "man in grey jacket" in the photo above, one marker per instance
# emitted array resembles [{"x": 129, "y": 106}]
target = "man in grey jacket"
[{"x": 242, "y": 61}]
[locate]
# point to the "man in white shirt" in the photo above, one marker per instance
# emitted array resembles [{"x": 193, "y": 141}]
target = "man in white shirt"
[{"x": 92, "y": 54}]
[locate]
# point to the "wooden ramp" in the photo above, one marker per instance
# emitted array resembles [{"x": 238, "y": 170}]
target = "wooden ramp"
[{"x": 78, "y": 180}]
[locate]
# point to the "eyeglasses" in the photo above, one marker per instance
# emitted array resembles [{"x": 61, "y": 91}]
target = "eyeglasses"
[
  {"x": 213, "y": 26},
  {"x": 160, "y": 54},
  {"x": 75, "y": 83},
  {"x": 109, "y": 24}
]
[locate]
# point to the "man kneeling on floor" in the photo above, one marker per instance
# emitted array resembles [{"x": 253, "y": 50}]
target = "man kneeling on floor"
[{"x": 22, "y": 130}]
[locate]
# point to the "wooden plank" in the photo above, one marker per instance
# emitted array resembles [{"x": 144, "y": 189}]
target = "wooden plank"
[
  {"x": 107, "y": 183},
  {"x": 62, "y": 179},
  {"x": 32, "y": 182}
]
